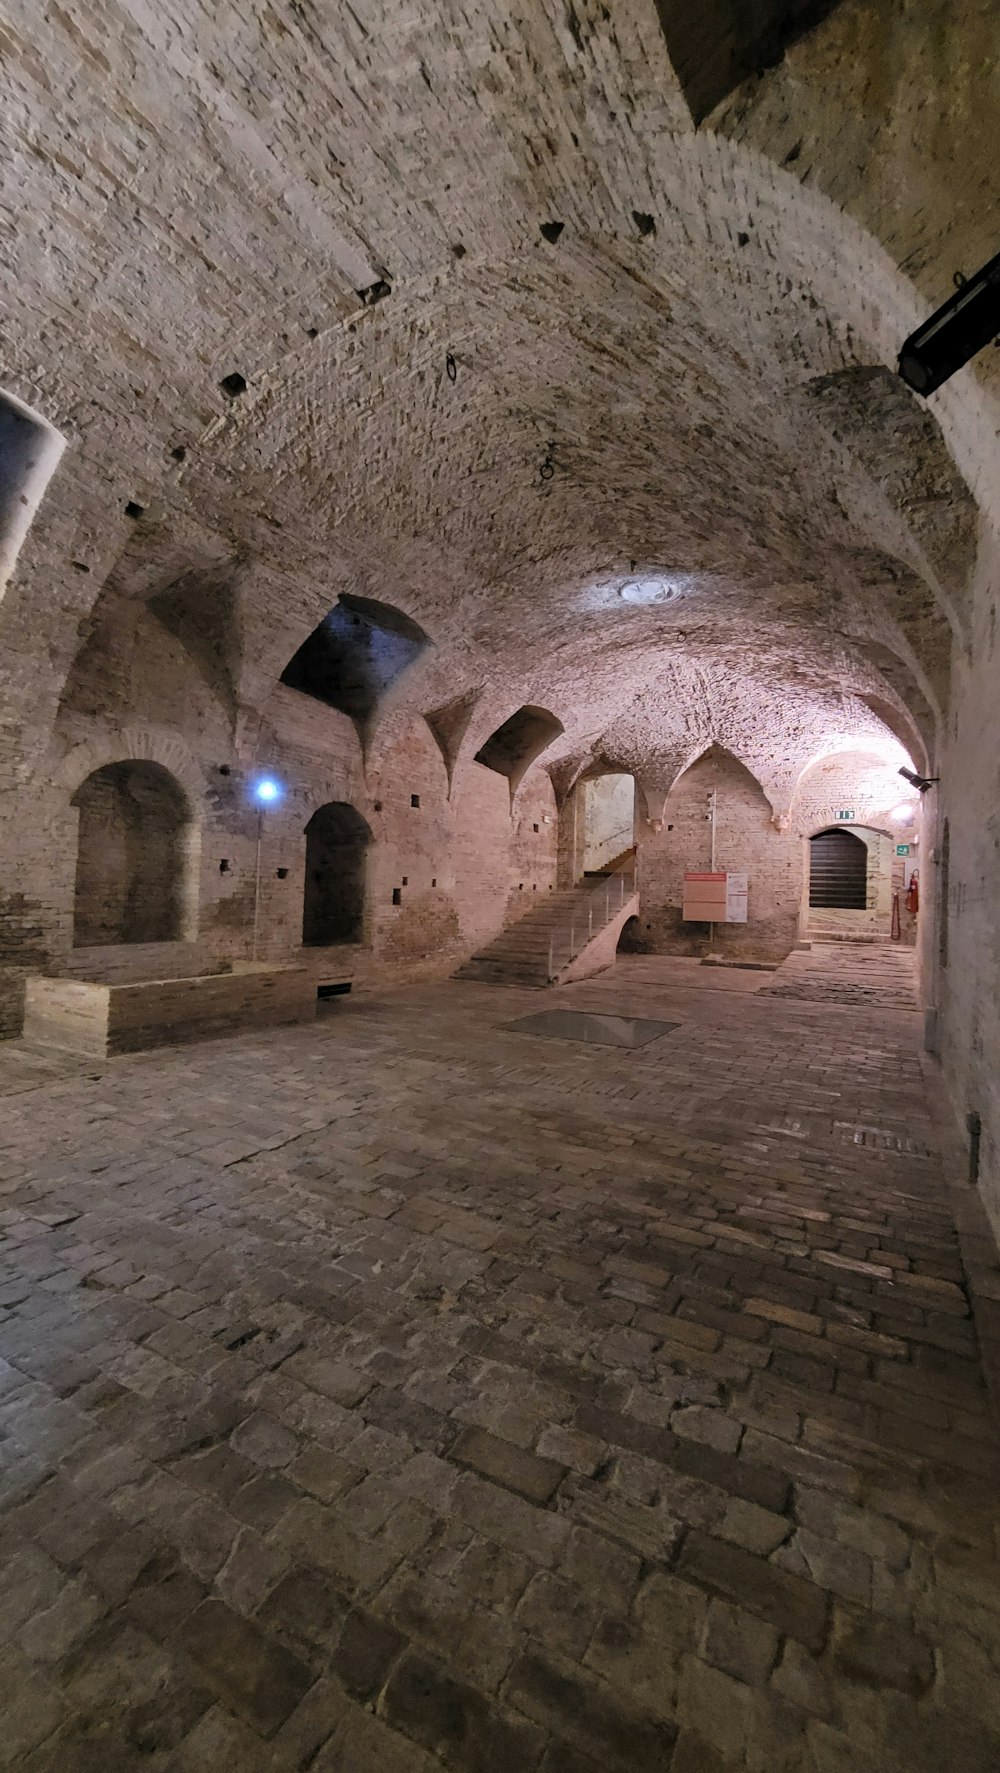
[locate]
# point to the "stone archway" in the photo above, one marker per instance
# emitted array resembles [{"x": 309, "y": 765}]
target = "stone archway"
[{"x": 133, "y": 861}]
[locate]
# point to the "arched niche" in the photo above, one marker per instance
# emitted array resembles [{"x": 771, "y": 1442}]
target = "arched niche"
[
  {"x": 358, "y": 651},
  {"x": 514, "y": 746},
  {"x": 135, "y": 857},
  {"x": 630, "y": 941},
  {"x": 336, "y": 878}
]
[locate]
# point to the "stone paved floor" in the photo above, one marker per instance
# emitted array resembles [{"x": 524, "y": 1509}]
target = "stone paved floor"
[{"x": 404, "y": 1392}]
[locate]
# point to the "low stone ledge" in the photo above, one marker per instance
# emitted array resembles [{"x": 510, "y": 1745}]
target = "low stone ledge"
[{"x": 100, "y": 1019}]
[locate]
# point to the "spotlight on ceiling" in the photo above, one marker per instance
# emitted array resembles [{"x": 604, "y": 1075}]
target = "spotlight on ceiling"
[
  {"x": 266, "y": 790},
  {"x": 649, "y": 590},
  {"x": 966, "y": 322},
  {"x": 921, "y": 782}
]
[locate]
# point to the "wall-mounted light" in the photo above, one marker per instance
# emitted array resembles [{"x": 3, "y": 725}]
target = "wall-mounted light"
[
  {"x": 965, "y": 323},
  {"x": 266, "y": 791},
  {"x": 905, "y": 811},
  {"x": 921, "y": 782}
]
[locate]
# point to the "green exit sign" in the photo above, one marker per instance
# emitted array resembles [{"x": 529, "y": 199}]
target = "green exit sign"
[
  {"x": 902, "y": 849},
  {"x": 848, "y": 813}
]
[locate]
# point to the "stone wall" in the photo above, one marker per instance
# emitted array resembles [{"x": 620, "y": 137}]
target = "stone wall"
[{"x": 962, "y": 972}]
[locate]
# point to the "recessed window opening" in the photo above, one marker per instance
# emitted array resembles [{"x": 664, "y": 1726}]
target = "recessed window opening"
[
  {"x": 397, "y": 895},
  {"x": 134, "y": 856},
  {"x": 29, "y": 451},
  {"x": 838, "y": 871},
  {"x": 414, "y": 800},
  {"x": 333, "y": 906}
]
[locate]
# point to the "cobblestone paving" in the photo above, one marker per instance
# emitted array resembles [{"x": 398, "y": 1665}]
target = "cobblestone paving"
[{"x": 403, "y": 1393}]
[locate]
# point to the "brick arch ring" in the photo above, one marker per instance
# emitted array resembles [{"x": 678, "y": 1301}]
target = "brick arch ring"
[{"x": 141, "y": 744}]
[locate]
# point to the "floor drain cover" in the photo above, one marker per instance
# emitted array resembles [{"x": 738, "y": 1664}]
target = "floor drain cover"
[
  {"x": 605, "y": 1031},
  {"x": 879, "y": 1139}
]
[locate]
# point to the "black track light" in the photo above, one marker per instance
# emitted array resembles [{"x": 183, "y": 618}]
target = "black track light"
[{"x": 969, "y": 320}]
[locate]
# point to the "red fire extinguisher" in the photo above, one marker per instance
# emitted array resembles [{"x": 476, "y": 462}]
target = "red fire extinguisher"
[{"x": 913, "y": 894}]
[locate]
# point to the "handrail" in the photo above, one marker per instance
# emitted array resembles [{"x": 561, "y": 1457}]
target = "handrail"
[{"x": 626, "y": 884}]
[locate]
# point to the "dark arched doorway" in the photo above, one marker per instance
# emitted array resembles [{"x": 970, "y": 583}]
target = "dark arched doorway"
[
  {"x": 333, "y": 910},
  {"x": 630, "y": 941},
  {"x": 132, "y": 856},
  {"x": 838, "y": 871}
]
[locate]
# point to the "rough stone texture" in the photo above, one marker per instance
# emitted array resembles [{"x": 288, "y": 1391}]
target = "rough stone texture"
[{"x": 358, "y": 1381}]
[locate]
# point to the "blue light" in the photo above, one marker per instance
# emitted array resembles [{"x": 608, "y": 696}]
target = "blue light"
[{"x": 267, "y": 790}]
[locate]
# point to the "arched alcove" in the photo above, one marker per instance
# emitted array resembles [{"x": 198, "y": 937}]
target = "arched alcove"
[
  {"x": 133, "y": 862},
  {"x": 630, "y": 941},
  {"x": 333, "y": 906},
  {"x": 838, "y": 871},
  {"x": 357, "y": 652},
  {"x": 514, "y": 746}
]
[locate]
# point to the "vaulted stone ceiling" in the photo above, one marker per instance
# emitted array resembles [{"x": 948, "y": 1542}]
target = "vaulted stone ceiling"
[{"x": 596, "y": 399}]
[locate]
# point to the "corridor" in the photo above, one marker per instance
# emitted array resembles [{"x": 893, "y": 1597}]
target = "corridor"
[{"x": 410, "y": 1391}]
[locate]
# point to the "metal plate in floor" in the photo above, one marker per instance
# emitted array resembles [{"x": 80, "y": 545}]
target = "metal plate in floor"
[{"x": 605, "y": 1031}]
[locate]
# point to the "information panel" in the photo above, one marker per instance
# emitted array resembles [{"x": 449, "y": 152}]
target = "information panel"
[
  {"x": 737, "y": 897},
  {"x": 715, "y": 897}
]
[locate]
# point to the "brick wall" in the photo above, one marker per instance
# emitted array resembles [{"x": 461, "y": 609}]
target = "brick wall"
[{"x": 746, "y": 841}]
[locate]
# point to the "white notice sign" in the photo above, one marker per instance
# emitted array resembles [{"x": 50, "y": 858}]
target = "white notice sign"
[{"x": 737, "y": 893}]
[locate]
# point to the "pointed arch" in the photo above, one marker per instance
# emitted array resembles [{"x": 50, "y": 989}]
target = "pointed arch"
[
  {"x": 518, "y": 742},
  {"x": 728, "y": 751}
]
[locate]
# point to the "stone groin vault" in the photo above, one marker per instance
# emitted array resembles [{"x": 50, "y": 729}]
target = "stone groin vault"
[{"x": 450, "y": 455}]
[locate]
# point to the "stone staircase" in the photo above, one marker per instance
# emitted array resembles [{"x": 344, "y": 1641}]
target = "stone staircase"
[
  {"x": 618, "y": 864},
  {"x": 850, "y": 926},
  {"x": 541, "y": 947}
]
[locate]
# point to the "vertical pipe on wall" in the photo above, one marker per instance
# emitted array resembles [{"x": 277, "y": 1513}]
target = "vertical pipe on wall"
[
  {"x": 711, "y": 815},
  {"x": 256, "y": 885}
]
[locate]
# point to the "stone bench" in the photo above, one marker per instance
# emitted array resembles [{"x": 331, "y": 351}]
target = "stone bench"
[{"x": 98, "y": 1018}]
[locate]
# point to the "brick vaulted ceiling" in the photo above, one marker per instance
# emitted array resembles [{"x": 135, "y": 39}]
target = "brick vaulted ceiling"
[{"x": 575, "y": 387}]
